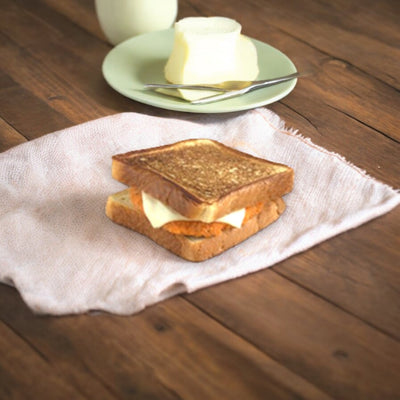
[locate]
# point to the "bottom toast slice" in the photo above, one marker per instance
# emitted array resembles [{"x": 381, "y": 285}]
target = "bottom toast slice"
[{"x": 120, "y": 210}]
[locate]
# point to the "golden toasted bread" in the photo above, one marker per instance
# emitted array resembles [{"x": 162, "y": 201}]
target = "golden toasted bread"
[{"x": 202, "y": 178}]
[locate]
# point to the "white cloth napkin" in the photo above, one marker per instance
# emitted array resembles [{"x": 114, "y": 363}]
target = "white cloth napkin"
[{"x": 65, "y": 256}]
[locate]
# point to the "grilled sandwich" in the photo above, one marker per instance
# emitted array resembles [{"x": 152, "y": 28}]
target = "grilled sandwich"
[{"x": 197, "y": 198}]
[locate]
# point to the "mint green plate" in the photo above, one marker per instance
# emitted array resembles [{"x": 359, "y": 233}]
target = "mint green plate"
[{"x": 141, "y": 59}]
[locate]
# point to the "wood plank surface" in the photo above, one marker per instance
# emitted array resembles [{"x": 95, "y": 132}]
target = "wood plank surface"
[
  {"x": 22, "y": 376},
  {"x": 323, "y": 324},
  {"x": 156, "y": 353},
  {"x": 311, "y": 330},
  {"x": 9, "y": 137}
]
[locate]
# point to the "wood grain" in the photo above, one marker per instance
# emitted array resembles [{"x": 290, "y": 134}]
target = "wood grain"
[
  {"x": 357, "y": 279},
  {"x": 311, "y": 330},
  {"x": 9, "y": 137},
  {"x": 22, "y": 376},
  {"x": 323, "y": 324},
  {"x": 157, "y": 353}
]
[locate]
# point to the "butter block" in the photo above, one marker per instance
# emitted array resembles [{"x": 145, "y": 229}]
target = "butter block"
[{"x": 209, "y": 50}]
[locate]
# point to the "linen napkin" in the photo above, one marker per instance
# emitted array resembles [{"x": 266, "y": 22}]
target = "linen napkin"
[{"x": 65, "y": 256}]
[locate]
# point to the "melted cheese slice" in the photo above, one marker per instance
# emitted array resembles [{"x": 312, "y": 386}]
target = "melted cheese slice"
[
  {"x": 209, "y": 50},
  {"x": 160, "y": 214}
]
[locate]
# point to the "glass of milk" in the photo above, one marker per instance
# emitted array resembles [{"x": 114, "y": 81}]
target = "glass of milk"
[{"x": 122, "y": 19}]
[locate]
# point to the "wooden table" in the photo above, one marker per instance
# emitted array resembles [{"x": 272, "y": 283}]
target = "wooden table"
[{"x": 324, "y": 324}]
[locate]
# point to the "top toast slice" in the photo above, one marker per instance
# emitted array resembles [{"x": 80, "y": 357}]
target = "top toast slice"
[{"x": 202, "y": 177}]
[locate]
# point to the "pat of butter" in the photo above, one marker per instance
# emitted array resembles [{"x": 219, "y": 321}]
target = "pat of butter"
[
  {"x": 209, "y": 50},
  {"x": 159, "y": 214}
]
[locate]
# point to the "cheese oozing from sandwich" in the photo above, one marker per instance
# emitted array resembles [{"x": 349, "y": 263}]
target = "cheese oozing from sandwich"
[
  {"x": 209, "y": 50},
  {"x": 160, "y": 214}
]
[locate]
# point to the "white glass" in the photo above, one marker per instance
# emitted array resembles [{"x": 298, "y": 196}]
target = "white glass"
[{"x": 122, "y": 19}]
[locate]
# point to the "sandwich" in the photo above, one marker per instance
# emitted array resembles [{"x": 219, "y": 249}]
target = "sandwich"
[{"x": 197, "y": 198}]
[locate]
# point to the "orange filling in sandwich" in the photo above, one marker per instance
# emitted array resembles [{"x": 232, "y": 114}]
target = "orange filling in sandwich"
[{"x": 195, "y": 228}]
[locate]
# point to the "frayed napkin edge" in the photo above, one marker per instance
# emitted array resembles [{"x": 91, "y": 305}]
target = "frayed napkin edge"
[{"x": 280, "y": 125}]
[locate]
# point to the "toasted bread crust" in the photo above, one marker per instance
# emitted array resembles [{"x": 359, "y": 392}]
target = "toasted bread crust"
[
  {"x": 203, "y": 178},
  {"x": 120, "y": 210}
]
